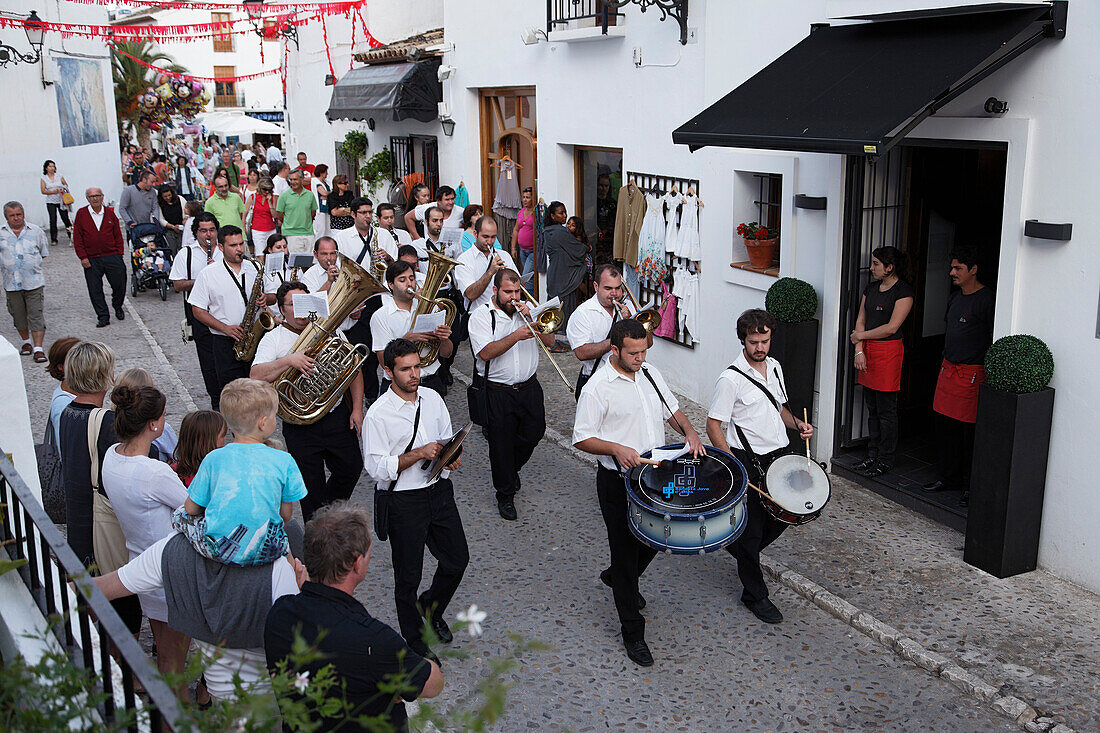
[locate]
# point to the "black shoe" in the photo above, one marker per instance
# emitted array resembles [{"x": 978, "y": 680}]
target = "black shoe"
[
  {"x": 103, "y": 323},
  {"x": 935, "y": 486},
  {"x": 119, "y": 314},
  {"x": 605, "y": 578},
  {"x": 877, "y": 469},
  {"x": 639, "y": 653},
  {"x": 765, "y": 610},
  {"x": 518, "y": 484},
  {"x": 507, "y": 509},
  {"x": 864, "y": 464},
  {"x": 442, "y": 630},
  {"x": 424, "y": 651},
  {"x": 964, "y": 500}
]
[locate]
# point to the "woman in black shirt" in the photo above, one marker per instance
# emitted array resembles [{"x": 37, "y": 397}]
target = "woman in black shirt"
[
  {"x": 339, "y": 204},
  {"x": 883, "y": 308}
]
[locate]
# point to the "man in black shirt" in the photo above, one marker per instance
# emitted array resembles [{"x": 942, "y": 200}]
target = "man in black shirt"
[
  {"x": 362, "y": 650},
  {"x": 968, "y": 334}
]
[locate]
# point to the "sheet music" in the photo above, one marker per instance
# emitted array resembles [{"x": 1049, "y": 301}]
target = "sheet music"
[
  {"x": 428, "y": 322},
  {"x": 273, "y": 263},
  {"x": 450, "y": 235},
  {"x": 554, "y": 302},
  {"x": 670, "y": 454},
  {"x": 306, "y": 303}
]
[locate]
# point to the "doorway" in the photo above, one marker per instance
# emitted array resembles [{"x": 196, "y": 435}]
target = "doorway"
[
  {"x": 508, "y": 129},
  {"x": 598, "y": 176},
  {"x": 924, "y": 197}
]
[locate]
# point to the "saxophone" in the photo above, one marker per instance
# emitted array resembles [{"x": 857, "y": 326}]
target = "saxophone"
[
  {"x": 439, "y": 269},
  {"x": 257, "y": 318},
  {"x": 306, "y": 398}
]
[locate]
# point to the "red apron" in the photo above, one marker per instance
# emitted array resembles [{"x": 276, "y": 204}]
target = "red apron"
[
  {"x": 957, "y": 391},
  {"x": 883, "y": 372}
]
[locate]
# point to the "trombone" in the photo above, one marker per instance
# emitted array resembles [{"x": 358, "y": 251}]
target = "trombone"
[
  {"x": 650, "y": 318},
  {"x": 549, "y": 321}
]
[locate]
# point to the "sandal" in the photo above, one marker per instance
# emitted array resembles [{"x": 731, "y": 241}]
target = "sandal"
[{"x": 559, "y": 349}]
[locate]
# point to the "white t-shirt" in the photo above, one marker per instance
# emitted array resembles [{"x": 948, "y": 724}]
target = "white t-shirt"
[
  {"x": 144, "y": 492},
  {"x": 749, "y": 408},
  {"x": 53, "y": 198},
  {"x": 454, "y": 220},
  {"x": 281, "y": 186},
  {"x": 216, "y": 293}
]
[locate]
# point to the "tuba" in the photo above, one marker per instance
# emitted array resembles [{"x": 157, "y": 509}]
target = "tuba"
[
  {"x": 257, "y": 318},
  {"x": 439, "y": 269},
  {"x": 306, "y": 398}
]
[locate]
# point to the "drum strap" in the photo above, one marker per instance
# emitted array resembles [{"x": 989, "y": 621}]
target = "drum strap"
[
  {"x": 671, "y": 412},
  {"x": 767, "y": 392}
]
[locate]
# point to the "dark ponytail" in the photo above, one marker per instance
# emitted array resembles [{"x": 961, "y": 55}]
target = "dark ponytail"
[
  {"x": 893, "y": 256},
  {"x": 135, "y": 407}
]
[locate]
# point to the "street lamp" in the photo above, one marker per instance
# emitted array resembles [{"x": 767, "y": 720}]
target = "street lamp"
[
  {"x": 255, "y": 10},
  {"x": 32, "y": 26},
  {"x": 448, "y": 126}
]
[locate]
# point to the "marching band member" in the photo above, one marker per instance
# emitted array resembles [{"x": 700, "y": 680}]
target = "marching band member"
[
  {"x": 516, "y": 416},
  {"x": 591, "y": 322},
  {"x": 405, "y": 428},
  {"x": 750, "y": 396},
  {"x": 620, "y": 415},
  {"x": 394, "y": 319},
  {"x": 479, "y": 265},
  {"x": 390, "y": 239},
  {"x": 187, "y": 265},
  {"x": 276, "y": 247},
  {"x": 408, "y": 253},
  {"x": 219, "y": 300},
  {"x": 332, "y": 441}
]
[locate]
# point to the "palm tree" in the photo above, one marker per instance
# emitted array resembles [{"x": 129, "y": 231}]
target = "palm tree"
[{"x": 131, "y": 79}]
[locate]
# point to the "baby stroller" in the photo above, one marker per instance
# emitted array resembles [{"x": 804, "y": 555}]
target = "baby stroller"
[{"x": 150, "y": 260}]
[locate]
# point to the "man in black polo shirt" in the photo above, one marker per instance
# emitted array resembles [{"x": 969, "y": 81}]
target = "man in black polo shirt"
[{"x": 325, "y": 614}]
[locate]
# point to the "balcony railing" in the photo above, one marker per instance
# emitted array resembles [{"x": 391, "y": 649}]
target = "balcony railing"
[
  {"x": 29, "y": 534},
  {"x": 567, "y": 14},
  {"x": 233, "y": 99}
]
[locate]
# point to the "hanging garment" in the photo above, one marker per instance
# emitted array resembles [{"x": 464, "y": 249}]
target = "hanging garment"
[
  {"x": 462, "y": 196},
  {"x": 507, "y": 202},
  {"x": 651, "y": 240},
  {"x": 686, "y": 290},
  {"x": 629, "y": 213},
  {"x": 667, "y": 329},
  {"x": 688, "y": 245},
  {"x": 672, "y": 233}
]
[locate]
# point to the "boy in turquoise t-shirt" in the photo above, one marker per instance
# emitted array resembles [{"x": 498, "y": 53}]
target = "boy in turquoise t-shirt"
[{"x": 243, "y": 493}]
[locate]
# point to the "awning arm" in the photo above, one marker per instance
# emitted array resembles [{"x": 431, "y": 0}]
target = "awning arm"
[{"x": 1054, "y": 28}]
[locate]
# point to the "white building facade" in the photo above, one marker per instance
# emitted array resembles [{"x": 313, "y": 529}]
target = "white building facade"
[{"x": 580, "y": 102}]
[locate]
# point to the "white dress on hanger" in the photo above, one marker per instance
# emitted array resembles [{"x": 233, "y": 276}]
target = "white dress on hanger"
[
  {"x": 688, "y": 245},
  {"x": 672, "y": 234},
  {"x": 651, "y": 240}
]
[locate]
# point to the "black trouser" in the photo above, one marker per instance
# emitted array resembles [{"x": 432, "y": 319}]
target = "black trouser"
[
  {"x": 114, "y": 269},
  {"x": 629, "y": 557},
  {"x": 459, "y": 329},
  {"x": 204, "y": 348},
  {"x": 421, "y": 518},
  {"x": 360, "y": 334},
  {"x": 432, "y": 381},
  {"x": 330, "y": 442},
  {"x": 761, "y": 529},
  {"x": 882, "y": 424},
  {"x": 226, "y": 366},
  {"x": 956, "y": 451},
  {"x": 517, "y": 421},
  {"x": 53, "y": 210}
]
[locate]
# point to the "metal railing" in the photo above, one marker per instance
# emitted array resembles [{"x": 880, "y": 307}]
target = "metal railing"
[
  {"x": 561, "y": 13},
  {"x": 51, "y": 564},
  {"x": 232, "y": 99}
]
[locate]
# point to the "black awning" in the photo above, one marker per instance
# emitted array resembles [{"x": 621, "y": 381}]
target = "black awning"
[
  {"x": 860, "y": 88},
  {"x": 408, "y": 90}
]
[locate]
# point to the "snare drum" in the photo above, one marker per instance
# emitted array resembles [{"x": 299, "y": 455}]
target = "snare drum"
[
  {"x": 798, "y": 489},
  {"x": 695, "y": 506}
]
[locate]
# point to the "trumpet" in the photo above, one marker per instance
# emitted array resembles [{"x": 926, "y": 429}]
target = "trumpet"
[
  {"x": 650, "y": 318},
  {"x": 547, "y": 322}
]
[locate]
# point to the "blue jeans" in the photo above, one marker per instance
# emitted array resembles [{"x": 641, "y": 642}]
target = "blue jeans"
[{"x": 526, "y": 262}]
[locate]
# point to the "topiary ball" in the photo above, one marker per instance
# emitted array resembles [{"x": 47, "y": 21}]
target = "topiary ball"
[
  {"x": 791, "y": 300},
  {"x": 1019, "y": 364}
]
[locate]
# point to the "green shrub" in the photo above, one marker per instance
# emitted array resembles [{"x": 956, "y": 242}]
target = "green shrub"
[
  {"x": 1019, "y": 364},
  {"x": 791, "y": 300}
]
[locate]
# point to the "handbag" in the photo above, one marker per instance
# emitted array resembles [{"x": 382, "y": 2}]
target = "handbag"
[
  {"x": 49, "y": 475},
  {"x": 382, "y": 497},
  {"x": 477, "y": 392},
  {"x": 67, "y": 198}
]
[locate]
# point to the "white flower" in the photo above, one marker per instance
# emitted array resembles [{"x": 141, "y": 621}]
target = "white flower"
[
  {"x": 473, "y": 618},
  {"x": 301, "y": 682}
]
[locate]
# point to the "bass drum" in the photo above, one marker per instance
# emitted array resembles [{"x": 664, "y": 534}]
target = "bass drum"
[
  {"x": 798, "y": 489},
  {"x": 692, "y": 506}
]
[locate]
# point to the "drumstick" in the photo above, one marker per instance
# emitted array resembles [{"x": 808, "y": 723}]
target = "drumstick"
[
  {"x": 759, "y": 491},
  {"x": 809, "y": 461}
]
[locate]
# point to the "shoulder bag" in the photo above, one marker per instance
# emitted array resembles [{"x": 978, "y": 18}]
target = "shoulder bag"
[
  {"x": 49, "y": 475},
  {"x": 477, "y": 392},
  {"x": 108, "y": 541}
]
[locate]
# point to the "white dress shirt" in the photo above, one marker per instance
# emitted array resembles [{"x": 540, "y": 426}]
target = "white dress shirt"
[
  {"x": 390, "y": 242},
  {"x": 517, "y": 364},
  {"x": 387, "y": 429},
  {"x": 216, "y": 293},
  {"x": 472, "y": 265},
  {"x": 97, "y": 216},
  {"x": 276, "y": 344},
  {"x": 315, "y": 278},
  {"x": 622, "y": 410},
  {"x": 199, "y": 261},
  {"x": 390, "y": 322},
  {"x": 350, "y": 244},
  {"x": 590, "y": 324},
  {"x": 738, "y": 402}
]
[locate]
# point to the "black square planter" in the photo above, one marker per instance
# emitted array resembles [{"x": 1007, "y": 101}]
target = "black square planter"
[
  {"x": 794, "y": 346},
  {"x": 1008, "y": 478}
]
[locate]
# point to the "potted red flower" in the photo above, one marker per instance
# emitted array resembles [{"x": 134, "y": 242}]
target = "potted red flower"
[{"x": 761, "y": 242}]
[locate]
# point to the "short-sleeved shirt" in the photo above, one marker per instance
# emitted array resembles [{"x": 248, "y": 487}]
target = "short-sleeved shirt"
[
  {"x": 453, "y": 221},
  {"x": 21, "y": 257},
  {"x": 969, "y": 326},
  {"x": 296, "y": 209},
  {"x": 519, "y": 363},
  {"x": 591, "y": 324},
  {"x": 188, "y": 267},
  {"x": 218, "y": 290},
  {"x": 228, "y": 210},
  {"x": 241, "y": 486},
  {"x": 616, "y": 408},
  {"x": 878, "y": 306},
  {"x": 737, "y": 402},
  {"x": 390, "y": 322},
  {"x": 362, "y": 650},
  {"x": 472, "y": 265}
]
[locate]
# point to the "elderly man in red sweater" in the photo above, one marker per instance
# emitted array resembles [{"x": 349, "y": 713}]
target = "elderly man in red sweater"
[{"x": 97, "y": 239}]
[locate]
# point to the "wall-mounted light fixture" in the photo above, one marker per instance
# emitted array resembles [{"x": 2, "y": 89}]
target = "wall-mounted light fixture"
[
  {"x": 531, "y": 36},
  {"x": 816, "y": 203},
  {"x": 370, "y": 124},
  {"x": 255, "y": 10},
  {"x": 32, "y": 26},
  {"x": 995, "y": 106},
  {"x": 448, "y": 125},
  {"x": 330, "y": 80},
  {"x": 443, "y": 73},
  {"x": 1046, "y": 230}
]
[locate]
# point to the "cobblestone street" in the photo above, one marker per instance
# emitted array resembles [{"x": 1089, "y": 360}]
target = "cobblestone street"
[{"x": 1033, "y": 638}]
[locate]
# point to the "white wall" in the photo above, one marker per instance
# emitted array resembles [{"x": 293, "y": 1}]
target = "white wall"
[{"x": 29, "y": 129}]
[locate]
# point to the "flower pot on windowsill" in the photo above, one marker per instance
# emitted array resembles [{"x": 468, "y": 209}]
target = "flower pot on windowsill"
[{"x": 761, "y": 252}]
